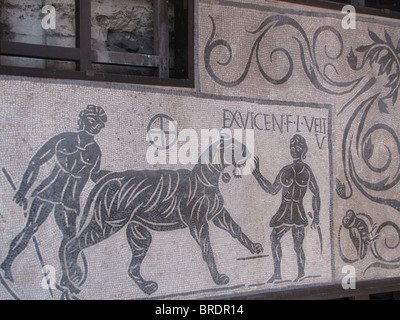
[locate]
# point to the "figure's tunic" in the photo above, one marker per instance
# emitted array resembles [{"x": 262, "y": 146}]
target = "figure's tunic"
[{"x": 294, "y": 179}]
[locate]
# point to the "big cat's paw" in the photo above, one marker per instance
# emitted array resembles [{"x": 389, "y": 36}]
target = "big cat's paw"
[
  {"x": 257, "y": 248},
  {"x": 222, "y": 279},
  {"x": 149, "y": 287}
]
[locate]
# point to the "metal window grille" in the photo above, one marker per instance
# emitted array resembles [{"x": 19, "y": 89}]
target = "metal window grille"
[{"x": 85, "y": 57}]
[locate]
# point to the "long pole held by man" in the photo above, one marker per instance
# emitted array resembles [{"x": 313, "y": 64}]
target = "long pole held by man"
[{"x": 77, "y": 159}]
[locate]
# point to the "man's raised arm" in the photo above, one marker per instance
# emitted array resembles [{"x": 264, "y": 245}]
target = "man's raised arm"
[{"x": 272, "y": 188}]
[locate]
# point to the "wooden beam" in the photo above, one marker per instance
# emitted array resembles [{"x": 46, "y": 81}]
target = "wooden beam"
[
  {"x": 360, "y": 297},
  {"x": 124, "y": 58},
  {"x": 28, "y": 50},
  {"x": 359, "y": 3},
  {"x": 365, "y": 9},
  {"x": 161, "y": 36},
  {"x": 84, "y": 56},
  {"x": 190, "y": 36},
  {"x": 181, "y": 39},
  {"x": 96, "y": 76},
  {"x": 83, "y": 33}
]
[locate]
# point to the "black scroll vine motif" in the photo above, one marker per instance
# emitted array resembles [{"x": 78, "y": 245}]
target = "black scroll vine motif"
[
  {"x": 316, "y": 73},
  {"x": 359, "y": 135},
  {"x": 369, "y": 96}
]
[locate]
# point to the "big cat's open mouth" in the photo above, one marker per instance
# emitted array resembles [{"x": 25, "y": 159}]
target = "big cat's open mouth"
[{"x": 239, "y": 169}]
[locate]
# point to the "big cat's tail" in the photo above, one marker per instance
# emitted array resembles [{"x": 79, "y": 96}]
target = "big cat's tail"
[
  {"x": 85, "y": 269},
  {"x": 92, "y": 227},
  {"x": 72, "y": 250}
]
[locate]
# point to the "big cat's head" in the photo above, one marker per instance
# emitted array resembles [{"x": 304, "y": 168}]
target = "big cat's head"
[
  {"x": 229, "y": 151},
  {"x": 237, "y": 154}
]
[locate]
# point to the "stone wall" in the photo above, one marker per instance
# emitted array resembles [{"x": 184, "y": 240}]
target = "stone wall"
[
  {"x": 121, "y": 26},
  {"x": 19, "y": 22},
  {"x": 311, "y": 199}
]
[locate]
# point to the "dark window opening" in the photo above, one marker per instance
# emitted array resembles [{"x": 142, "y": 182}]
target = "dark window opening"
[
  {"x": 136, "y": 41},
  {"x": 383, "y": 4},
  {"x": 386, "y": 8}
]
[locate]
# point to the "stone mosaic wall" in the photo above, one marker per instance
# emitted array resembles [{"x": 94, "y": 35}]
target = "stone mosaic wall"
[{"x": 279, "y": 170}]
